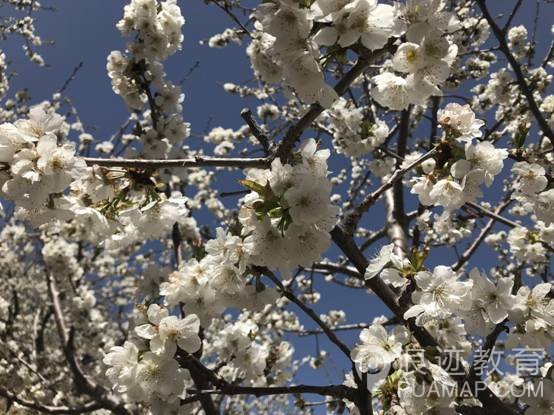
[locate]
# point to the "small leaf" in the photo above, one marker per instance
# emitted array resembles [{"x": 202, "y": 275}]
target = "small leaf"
[
  {"x": 520, "y": 136},
  {"x": 252, "y": 185},
  {"x": 276, "y": 212}
]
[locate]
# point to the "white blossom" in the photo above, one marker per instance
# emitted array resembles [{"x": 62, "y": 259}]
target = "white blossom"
[{"x": 377, "y": 348}]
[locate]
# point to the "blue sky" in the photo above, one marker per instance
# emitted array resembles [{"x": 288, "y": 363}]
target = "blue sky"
[{"x": 84, "y": 31}]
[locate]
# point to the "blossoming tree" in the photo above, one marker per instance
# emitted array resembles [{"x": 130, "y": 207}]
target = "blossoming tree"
[{"x": 133, "y": 283}]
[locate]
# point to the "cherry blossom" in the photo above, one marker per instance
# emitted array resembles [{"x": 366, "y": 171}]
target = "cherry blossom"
[{"x": 380, "y": 211}]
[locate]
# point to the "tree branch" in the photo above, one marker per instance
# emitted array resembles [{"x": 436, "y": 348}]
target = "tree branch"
[
  {"x": 520, "y": 77},
  {"x": 493, "y": 215},
  {"x": 512, "y": 16},
  {"x": 48, "y": 409},
  {"x": 197, "y": 161},
  {"x": 337, "y": 268},
  {"x": 351, "y": 219},
  {"x": 337, "y": 391},
  {"x": 424, "y": 338},
  {"x": 256, "y": 131},
  {"x": 82, "y": 381},
  {"x": 225, "y": 388},
  {"x": 482, "y": 235},
  {"x": 344, "y": 327},
  {"x": 307, "y": 310},
  {"x": 294, "y": 132}
]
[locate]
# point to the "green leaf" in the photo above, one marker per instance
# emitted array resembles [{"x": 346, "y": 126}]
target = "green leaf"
[
  {"x": 366, "y": 129},
  {"x": 417, "y": 259},
  {"x": 252, "y": 185},
  {"x": 520, "y": 136},
  {"x": 276, "y": 212}
]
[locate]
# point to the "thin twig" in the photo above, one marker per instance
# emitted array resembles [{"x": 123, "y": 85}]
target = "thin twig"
[
  {"x": 295, "y": 131},
  {"x": 482, "y": 235},
  {"x": 525, "y": 89},
  {"x": 307, "y": 310},
  {"x": 512, "y": 16},
  {"x": 493, "y": 215},
  {"x": 256, "y": 131},
  {"x": 344, "y": 327},
  {"x": 351, "y": 220},
  {"x": 232, "y": 16},
  {"x": 71, "y": 78}
]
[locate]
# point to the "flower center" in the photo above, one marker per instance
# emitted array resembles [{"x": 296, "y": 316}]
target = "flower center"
[{"x": 411, "y": 56}]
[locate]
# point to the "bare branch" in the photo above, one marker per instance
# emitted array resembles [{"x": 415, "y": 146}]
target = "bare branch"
[
  {"x": 512, "y": 16},
  {"x": 225, "y": 388},
  {"x": 493, "y": 215},
  {"x": 256, "y": 131},
  {"x": 351, "y": 220},
  {"x": 549, "y": 55},
  {"x": 345, "y": 327},
  {"x": 82, "y": 381},
  {"x": 337, "y": 268},
  {"x": 307, "y": 310},
  {"x": 197, "y": 161},
  {"x": 229, "y": 13},
  {"x": 71, "y": 78},
  {"x": 503, "y": 220},
  {"x": 482, "y": 235}
]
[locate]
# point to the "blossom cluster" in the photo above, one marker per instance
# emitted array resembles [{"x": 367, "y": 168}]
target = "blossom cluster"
[
  {"x": 480, "y": 302},
  {"x": 456, "y": 179},
  {"x": 152, "y": 374},
  {"x": 185, "y": 316},
  {"x": 461, "y": 307},
  {"x": 284, "y": 50},
  {"x": 135, "y": 73},
  {"x": 286, "y": 46},
  {"x": 424, "y": 60},
  {"x": 251, "y": 360},
  {"x": 532, "y": 190},
  {"x": 218, "y": 280},
  {"x": 287, "y": 216},
  {"x": 38, "y": 168},
  {"x": 352, "y": 134},
  {"x": 48, "y": 181}
]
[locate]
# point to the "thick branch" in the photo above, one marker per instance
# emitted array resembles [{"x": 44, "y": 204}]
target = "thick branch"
[
  {"x": 397, "y": 221},
  {"x": 205, "y": 400},
  {"x": 424, "y": 338},
  {"x": 82, "y": 381},
  {"x": 197, "y": 161},
  {"x": 488, "y": 346}
]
